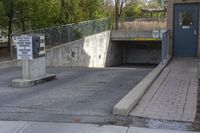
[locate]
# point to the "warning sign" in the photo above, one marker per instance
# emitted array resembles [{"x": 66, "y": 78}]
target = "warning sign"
[{"x": 24, "y": 47}]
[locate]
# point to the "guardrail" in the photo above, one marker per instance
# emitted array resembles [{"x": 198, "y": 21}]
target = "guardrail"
[{"x": 165, "y": 46}]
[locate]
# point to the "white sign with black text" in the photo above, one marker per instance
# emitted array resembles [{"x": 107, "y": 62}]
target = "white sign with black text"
[{"x": 24, "y": 47}]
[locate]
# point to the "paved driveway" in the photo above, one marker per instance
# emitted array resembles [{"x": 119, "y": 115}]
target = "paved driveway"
[{"x": 76, "y": 92}]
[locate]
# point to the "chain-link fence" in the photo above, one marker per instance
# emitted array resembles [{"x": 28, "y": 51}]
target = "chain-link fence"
[
  {"x": 66, "y": 33},
  {"x": 58, "y": 35}
]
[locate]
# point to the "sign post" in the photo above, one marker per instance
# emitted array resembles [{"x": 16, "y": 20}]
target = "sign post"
[
  {"x": 31, "y": 51},
  {"x": 24, "y": 47}
]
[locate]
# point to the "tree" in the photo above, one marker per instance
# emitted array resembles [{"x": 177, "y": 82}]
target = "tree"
[
  {"x": 119, "y": 4},
  {"x": 68, "y": 10},
  {"x": 43, "y": 13},
  {"x": 73, "y": 11},
  {"x": 23, "y": 15},
  {"x": 90, "y": 9},
  {"x": 3, "y": 18},
  {"x": 108, "y": 8},
  {"x": 133, "y": 10},
  {"x": 158, "y": 4},
  {"x": 155, "y": 4},
  {"x": 8, "y": 6}
]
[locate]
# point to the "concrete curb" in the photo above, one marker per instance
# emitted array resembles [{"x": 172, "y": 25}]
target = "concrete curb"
[
  {"x": 124, "y": 106},
  {"x": 24, "y": 83},
  {"x": 10, "y": 63}
]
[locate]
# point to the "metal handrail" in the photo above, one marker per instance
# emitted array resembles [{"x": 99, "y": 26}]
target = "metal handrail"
[{"x": 165, "y": 46}]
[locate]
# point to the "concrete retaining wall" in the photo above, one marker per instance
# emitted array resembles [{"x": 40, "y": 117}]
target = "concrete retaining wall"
[
  {"x": 10, "y": 64},
  {"x": 97, "y": 51},
  {"x": 142, "y": 52},
  {"x": 92, "y": 51},
  {"x": 127, "y": 35},
  {"x": 143, "y": 56}
]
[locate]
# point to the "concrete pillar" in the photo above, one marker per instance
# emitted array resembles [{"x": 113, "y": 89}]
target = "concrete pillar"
[
  {"x": 33, "y": 72},
  {"x": 34, "y": 68},
  {"x": 124, "y": 54}
]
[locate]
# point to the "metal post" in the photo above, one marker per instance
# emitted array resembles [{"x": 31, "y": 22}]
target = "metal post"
[
  {"x": 11, "y": 50},
  {"x": 60, "y": 34}
]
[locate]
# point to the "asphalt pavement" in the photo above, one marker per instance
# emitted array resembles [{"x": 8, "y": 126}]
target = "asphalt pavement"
[{"x": 77, "y": 95}]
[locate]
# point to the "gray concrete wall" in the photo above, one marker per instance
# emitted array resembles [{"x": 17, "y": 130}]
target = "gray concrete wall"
[
  {"x": 144, "y": 56},
  {"x": 114, "y": 55},
  {"x": 93, "y": 51},
  {"x": 128, "y": 35},
  {"x": 31, "y": 69},
  {"x": 10, "y": 64},
  {"x": 96, "y": 51},
  {"x": 144, "y": 52}
]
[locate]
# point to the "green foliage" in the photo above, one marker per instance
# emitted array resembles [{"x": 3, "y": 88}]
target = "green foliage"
[
  {"x": 43, "y": 13},
  {"x": 3, "y": 18},
  {"x": 33, "y": 14},
  {"x": 155, "y": 4},
  {"x": 108, "y": 8},
  {"x": 133, "y": 10}
]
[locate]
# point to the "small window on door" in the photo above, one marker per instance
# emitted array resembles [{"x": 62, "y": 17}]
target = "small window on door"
[{"x": 186, "y": 19}]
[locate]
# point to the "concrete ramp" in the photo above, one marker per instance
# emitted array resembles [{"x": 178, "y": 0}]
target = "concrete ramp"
[{"x": 173, "y": 95}]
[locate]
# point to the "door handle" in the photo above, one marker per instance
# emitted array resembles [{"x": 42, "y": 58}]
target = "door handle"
[{"x": 195, "y": 32}]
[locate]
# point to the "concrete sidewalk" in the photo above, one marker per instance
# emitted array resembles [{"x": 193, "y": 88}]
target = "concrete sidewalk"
[
  {"x": 173, "y": 95},
  {"x": 42, "y": 127}
]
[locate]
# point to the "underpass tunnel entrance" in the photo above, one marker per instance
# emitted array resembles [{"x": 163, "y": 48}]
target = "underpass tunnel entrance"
[{"x": 140, "y": 52}]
